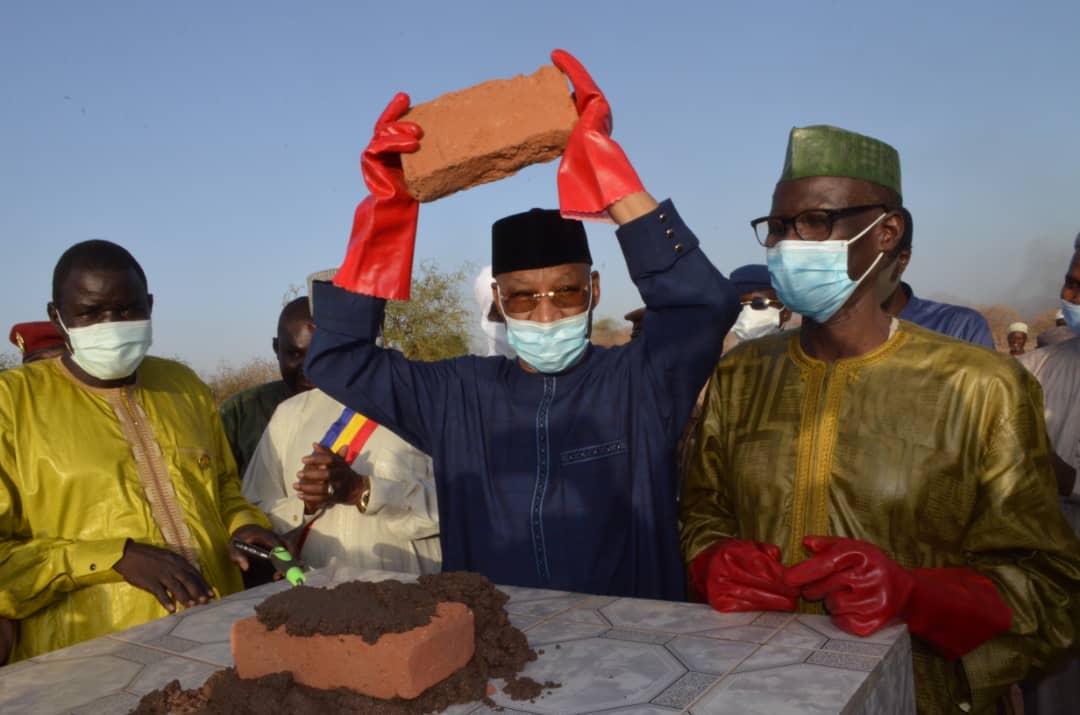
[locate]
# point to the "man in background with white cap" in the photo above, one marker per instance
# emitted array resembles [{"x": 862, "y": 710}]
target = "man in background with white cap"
[
  {"x": 492, "y": 324},
  {"x": 1017, "y": 338}
]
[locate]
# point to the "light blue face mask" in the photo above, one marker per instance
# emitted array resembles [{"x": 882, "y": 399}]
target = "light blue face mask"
[
  {"x": 550, "y": 347},
  {"x": 1071, "y": 311},
  {"x": 811, "y": 277}
]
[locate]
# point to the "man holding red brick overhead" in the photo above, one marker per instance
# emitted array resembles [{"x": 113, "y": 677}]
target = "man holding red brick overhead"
[
  {"x": 556, "y": 469},
  {"x": 874, "y": 467}
]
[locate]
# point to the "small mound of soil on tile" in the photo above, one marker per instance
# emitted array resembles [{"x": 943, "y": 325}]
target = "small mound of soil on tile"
[
  {"x": 501, "y": 652},
  {"x": 361, "y": 608}
]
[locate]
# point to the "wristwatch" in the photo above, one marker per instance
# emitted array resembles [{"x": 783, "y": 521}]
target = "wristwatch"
[{"x": 365, "y": 497}]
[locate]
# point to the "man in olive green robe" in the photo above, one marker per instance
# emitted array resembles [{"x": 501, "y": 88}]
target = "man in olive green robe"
[{"x": 873, "y": 468}]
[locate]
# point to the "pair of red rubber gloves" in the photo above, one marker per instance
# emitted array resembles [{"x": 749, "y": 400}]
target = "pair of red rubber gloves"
[
  {"x": 953, "y": 609},
  {"x": 594, "y": 173}
]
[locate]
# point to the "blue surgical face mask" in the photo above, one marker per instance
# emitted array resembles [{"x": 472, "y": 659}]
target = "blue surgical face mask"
[
  {"x": 811, "y": 277},
  {"x": 1071, "y": 312},
  {"x": 550, "y": 347}
]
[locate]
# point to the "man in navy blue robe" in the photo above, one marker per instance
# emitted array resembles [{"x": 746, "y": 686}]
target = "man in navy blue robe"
[
  {"x": 956, "y": 321},
  {"x": 555, "y": 470}
]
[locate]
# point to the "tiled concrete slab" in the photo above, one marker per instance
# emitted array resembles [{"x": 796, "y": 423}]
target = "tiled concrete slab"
[{"x": 618, "y": 656}]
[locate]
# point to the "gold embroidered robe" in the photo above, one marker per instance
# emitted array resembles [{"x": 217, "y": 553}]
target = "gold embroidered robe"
[{"x": 933, "y": 449}]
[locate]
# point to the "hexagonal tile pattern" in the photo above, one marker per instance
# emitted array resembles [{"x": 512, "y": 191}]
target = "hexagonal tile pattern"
[
  {"x": 190, "y": 673},
  {"x": 543, "y": 608},
  {"x": 582, "y": 615},
  {"x": 824, "y": 626},
  {"x": 671, "y": 617},
  {"x": 63, "y": 685},
  {"x": 205, "y": 626},
  {"x": 788, "y": 690},
  {"x": 617, "y": 656},
  {"x": 747, "y": 634},
  {"x": 798, "y": 635},
  {"x": 774, "y": 656},
  {"x": 708, "y": 655},
  {"x": 685, "y": 690},
  {"x": 599, "y": 674},
  {"x": 147, "y": 631},
  {"x": 559, "y": 632},
  {"x": 109, "y": 705}
]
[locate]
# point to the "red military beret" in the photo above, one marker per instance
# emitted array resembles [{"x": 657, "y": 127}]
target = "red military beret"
[{"x": 31, "y": 337}]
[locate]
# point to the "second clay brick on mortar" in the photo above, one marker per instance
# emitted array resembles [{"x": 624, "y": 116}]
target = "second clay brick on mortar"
[{"x": 488, "y": 132}]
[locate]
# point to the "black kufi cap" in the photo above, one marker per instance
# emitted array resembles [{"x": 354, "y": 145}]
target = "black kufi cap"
[{"x": 537, "y": 239}]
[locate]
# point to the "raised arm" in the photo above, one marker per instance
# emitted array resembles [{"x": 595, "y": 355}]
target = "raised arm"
[
  {"x": 343, "y": 359},
  {"x": 689, "y": 305}
]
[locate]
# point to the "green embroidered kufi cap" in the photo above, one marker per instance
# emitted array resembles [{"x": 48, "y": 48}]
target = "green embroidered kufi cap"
[{"x": 830, "y": 151}]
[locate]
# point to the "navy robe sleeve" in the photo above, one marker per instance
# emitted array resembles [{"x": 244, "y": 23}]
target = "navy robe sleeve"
[
  {"x": 344, "y": 361},
  {"x": 956, "y": 321},
  {"x": 689, "y": 306}
]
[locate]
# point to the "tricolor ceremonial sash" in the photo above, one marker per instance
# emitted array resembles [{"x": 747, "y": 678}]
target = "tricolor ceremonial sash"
[{"x": 350, "y": 430}]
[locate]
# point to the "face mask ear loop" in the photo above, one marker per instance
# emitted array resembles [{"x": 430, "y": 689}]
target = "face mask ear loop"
[
  {"x": 862, "y": 233},
  {"x": 67, "y": 333}
]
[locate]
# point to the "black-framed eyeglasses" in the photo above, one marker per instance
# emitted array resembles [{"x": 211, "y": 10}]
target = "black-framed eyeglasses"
[
  {"x": 759, "y": 303},
  {"x": 809, "y": 225},
  {"x": 566, "y": 298}
]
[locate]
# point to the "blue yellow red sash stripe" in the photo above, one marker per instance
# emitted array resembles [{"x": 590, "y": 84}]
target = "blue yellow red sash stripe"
[{"x": 350, "y": 430}]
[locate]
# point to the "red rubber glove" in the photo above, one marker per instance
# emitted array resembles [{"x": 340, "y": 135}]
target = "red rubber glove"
[
  {"x": 379, "y": 259},
  {"x": 953, "y": 609},
  {"x": 594, "y": 172},
  {"x": 737, "y": 575}
]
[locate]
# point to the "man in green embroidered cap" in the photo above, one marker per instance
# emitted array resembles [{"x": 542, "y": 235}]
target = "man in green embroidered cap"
[{"x": 871, "y": 469}]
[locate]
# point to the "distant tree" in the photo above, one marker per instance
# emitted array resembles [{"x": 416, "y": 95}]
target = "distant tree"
[
  {"x": 230, "y": 379},
  {"x": 294, "y": 291},
  {"x": 9, "y": 360},
  {"x": 608, "y": 332},
  {"x": 433, "y": 324}
]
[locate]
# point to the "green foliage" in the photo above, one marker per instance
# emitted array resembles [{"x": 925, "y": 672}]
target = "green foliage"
[{"x": 433, "y": 324}]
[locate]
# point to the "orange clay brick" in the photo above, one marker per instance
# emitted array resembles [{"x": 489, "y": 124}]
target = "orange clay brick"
[
  {"x": 488, "y": 132},
  {"x": 398, "y": 665}
]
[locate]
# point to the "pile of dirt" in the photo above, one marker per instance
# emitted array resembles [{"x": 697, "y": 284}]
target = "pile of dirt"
[{"x": 502, "y": 651}]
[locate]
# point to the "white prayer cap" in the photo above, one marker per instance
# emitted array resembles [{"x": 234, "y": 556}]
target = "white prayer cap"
[{"x": 1019, "y": 328}]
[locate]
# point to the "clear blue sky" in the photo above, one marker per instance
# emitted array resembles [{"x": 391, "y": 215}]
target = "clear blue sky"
[{"x": 219, "y": 142}]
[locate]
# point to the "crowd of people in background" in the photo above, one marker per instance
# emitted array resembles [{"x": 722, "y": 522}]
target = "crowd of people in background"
[{"x": 861, "y": 451}]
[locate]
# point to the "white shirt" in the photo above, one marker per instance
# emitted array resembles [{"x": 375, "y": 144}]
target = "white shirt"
[
  {"x": 398, "y": 532},
  {"x": 1057, "y": 367}
]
